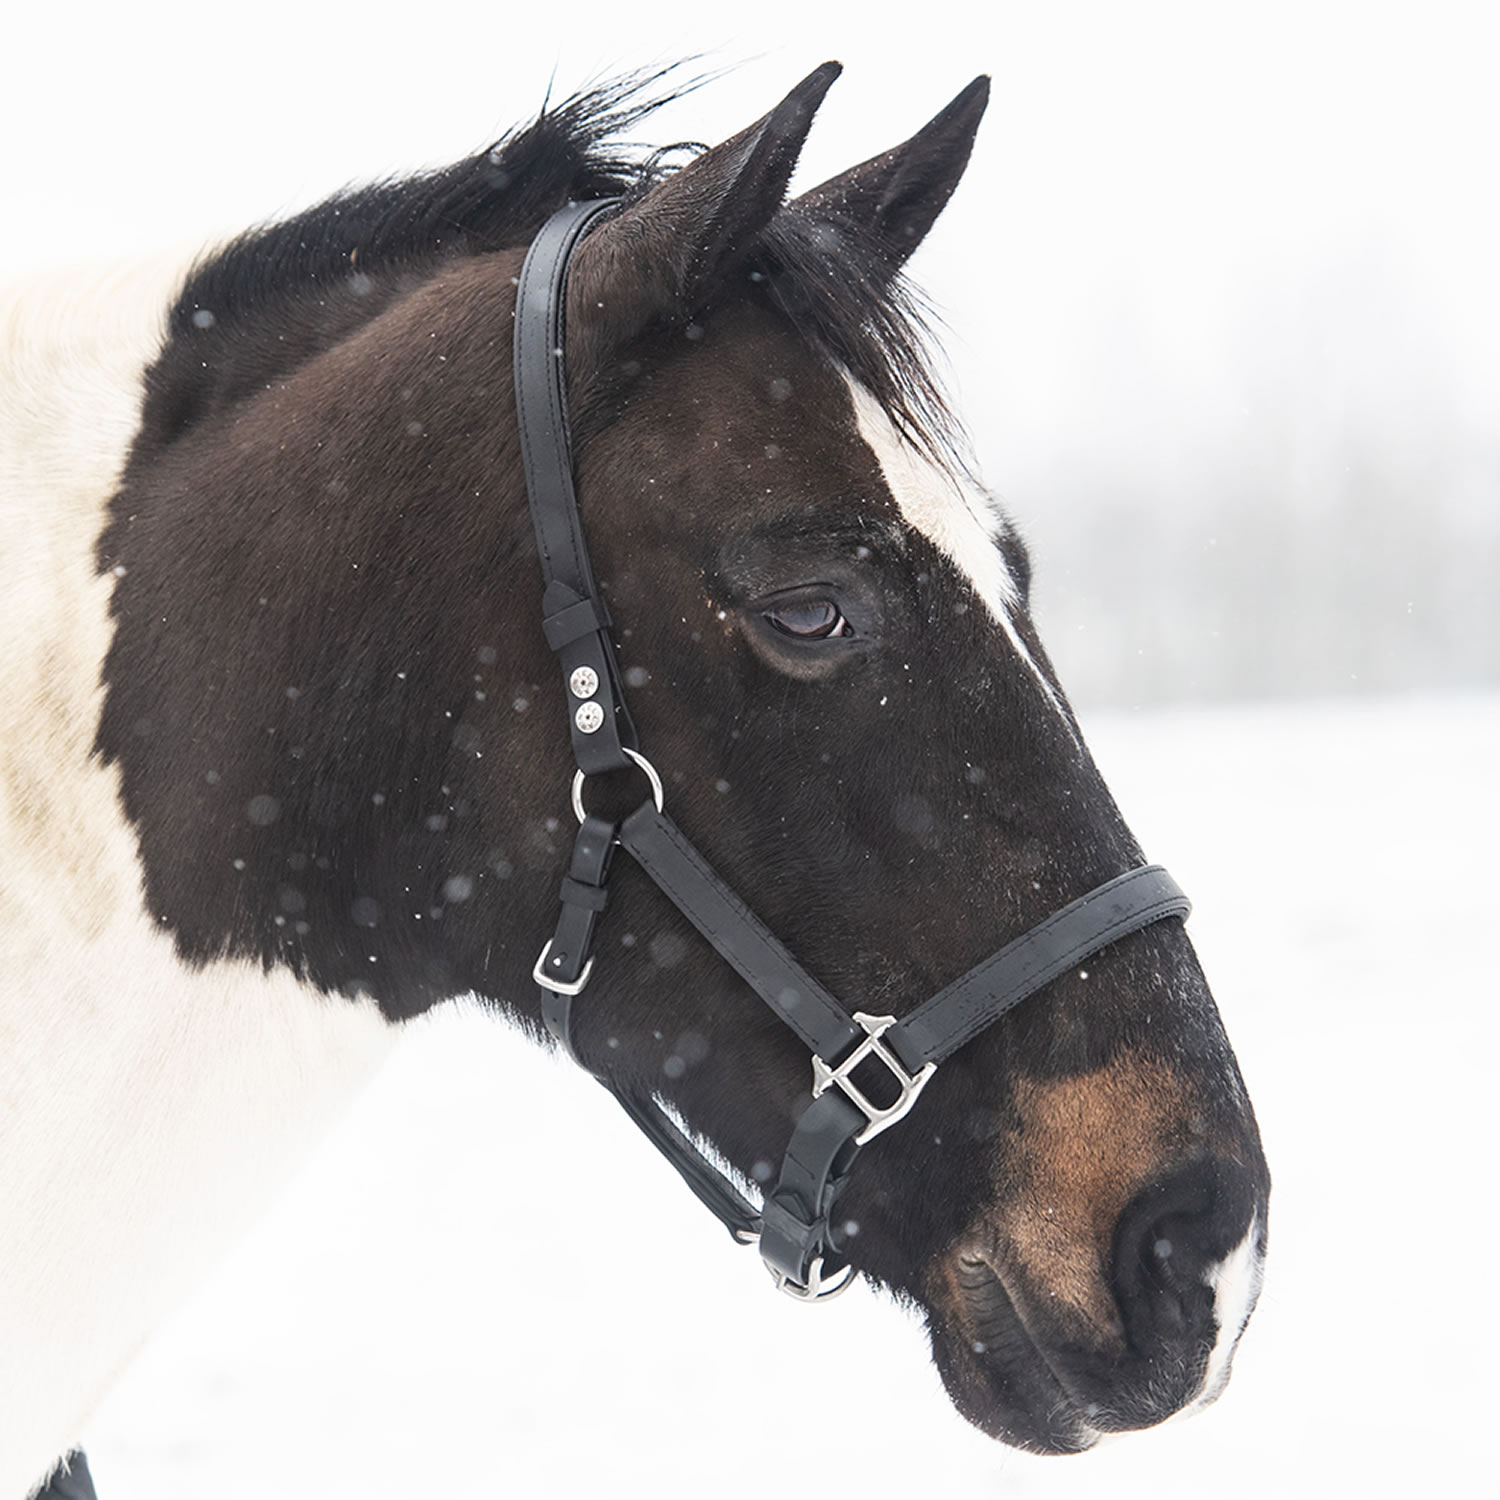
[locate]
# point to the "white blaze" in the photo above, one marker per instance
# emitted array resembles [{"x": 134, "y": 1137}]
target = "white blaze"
[
  {"x": 1236, "y": 1282},
  {"x": 963, "y": 524},
  {"x": 955, "y": 516}
]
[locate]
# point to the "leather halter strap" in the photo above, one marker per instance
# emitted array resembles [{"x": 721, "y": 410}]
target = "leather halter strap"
[
  {"x": 575, "y": 620},
  {"x": 795, "y": 1225}
]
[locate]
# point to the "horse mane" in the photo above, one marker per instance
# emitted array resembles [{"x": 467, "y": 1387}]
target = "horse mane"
[{"x": 329, "y": 269}]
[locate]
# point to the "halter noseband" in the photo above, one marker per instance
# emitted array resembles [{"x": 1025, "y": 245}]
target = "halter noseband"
[{"x": 798, "y": 1239}]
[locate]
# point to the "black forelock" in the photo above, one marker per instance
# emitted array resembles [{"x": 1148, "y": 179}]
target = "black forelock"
[{"x": 835, "y": 284}]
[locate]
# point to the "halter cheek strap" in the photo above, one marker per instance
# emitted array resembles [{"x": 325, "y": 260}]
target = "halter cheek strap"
[
  {"x": 574, "y": 618},
  {"x": 795, "y": 1225}
]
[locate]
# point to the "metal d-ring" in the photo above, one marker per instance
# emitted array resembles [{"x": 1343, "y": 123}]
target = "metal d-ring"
[
  {"x": 640, "y": 760},
  {"x": 816, "y": 1289}
]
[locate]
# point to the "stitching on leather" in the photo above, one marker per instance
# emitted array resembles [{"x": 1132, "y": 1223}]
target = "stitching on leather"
[
  {"x": 981, "y": 1005},
  {"x": 557, "y": 252}
]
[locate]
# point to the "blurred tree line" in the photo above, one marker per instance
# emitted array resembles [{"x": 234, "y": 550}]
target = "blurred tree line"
[{"x": 1310, "y": 509}]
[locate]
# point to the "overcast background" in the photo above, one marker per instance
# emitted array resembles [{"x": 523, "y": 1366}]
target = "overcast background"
[
  {"x": 1225, "y": 327},
  {"x": 1221, "y": 279}
]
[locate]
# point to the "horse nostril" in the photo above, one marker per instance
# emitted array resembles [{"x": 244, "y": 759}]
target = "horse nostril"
[{"x": 1169, "y": 1243}]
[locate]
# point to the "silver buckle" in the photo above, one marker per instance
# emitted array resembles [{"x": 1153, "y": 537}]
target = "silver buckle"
[
  {"x": 879, "y": 1119},
  {"x": 816, "y": 1290},
  {"x": 556, "y": 985}
]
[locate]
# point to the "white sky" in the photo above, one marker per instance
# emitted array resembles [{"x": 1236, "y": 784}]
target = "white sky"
[
  {"x": 1178, "y": 151},
  {"x": 1178, "y": 217}
]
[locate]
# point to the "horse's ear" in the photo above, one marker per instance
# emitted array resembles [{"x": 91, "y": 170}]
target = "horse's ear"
[
  {"x": 660, "y": 258},
  {"x": 895, "y": 197}
]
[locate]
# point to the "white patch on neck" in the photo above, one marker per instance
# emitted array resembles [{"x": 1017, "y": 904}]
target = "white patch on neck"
[
  {"x": 148, "y": 1110},
  {"x": 1236, "y": 1282},
  {"x": 956, "y": 517}
]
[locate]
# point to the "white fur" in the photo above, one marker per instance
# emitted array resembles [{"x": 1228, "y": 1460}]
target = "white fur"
[
  {"x": 147, "y": 1111},
  {"x": 1236, "y": 1281},
  {"x": 956, "y": 517}
]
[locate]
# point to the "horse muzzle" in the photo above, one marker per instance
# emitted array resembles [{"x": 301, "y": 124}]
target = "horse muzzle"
[{"x": 1049, "y": 1345}]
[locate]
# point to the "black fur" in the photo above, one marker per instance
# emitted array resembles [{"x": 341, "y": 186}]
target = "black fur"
[
  {"x": 342, "y": 743},
  {"x": 278, "y": 294}
]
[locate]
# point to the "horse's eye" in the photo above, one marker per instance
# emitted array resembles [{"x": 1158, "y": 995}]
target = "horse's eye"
[{"x": 814, "y": 620}]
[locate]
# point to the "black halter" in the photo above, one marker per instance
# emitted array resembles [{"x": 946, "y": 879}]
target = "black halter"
[{"x": 798, "y": 1238}]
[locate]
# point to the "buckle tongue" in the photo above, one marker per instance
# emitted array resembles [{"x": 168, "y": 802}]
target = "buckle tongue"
[{"x": 910, "y": 1085}]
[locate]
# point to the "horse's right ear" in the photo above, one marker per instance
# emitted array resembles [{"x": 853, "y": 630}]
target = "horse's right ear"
[
  {"x": 661, "y": 258},
  {"x": 895, "y": 197}
]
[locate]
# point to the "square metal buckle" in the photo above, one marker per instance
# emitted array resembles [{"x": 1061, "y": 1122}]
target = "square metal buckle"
[
  {"x": 879, "y": 1119},
  {"x": 558, "y": 986}
]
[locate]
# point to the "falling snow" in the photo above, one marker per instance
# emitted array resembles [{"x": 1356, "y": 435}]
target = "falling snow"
[{"x": 298, "y": 1337}]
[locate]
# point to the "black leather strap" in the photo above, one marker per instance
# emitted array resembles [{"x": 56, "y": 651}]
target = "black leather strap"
[
  {"x": 737, "y": 934},
  {"x": 796, "y": 1227},
  {"x": 576, "y": 622},
  {"x": 823, "y": 1146},
  {"x": 712, "y": 1189},
  {"x": 957, "y": 1014},
  {"x": 565, "y": 960},
  {"x": 541, "y": 397}
]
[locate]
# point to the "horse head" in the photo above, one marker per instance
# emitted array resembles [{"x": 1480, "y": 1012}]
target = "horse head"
[
  {"x": 823, "y": 625},
  {"x": 828, "y": 622}
]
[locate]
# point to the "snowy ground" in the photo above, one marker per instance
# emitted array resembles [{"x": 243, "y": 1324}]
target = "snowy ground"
[{"x": 485, "y": 1284}]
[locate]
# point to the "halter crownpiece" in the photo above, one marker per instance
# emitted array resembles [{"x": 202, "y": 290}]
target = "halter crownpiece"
[{"x": 794, "y": 1224}]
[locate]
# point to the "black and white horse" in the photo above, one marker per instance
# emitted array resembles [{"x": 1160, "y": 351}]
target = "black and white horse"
[{"x": 284, "y": 761}]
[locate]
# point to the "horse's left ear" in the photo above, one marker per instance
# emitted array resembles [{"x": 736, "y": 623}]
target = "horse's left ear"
[
  {"x": 895, "y": 197},
  {"x": 659, "y": 259}
]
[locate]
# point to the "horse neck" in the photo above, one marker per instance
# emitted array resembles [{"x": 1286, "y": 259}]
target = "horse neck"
[
  {"x": 323, "y": 685},
  {"x": 170, "y": 1100}
]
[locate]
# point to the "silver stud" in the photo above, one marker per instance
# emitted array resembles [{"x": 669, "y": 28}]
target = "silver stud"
[
  {"x": 589, "y": 717},
  {"x": 584, "y": 682}
]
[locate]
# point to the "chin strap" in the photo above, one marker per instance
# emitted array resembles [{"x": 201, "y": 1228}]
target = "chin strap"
[{"x": 795, "y": 1225}]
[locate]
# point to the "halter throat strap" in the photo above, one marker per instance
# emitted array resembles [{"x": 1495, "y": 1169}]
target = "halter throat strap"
[{"x": 795, "y": 1225}]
